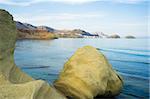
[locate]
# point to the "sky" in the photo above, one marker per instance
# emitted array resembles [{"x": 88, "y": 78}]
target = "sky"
[{"x": 123, "y": 17}]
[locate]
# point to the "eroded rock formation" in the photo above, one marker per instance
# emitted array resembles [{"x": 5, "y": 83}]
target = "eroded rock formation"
[
  {"x": 15, "y": 84},
  {"x": 88, "y": 74}
]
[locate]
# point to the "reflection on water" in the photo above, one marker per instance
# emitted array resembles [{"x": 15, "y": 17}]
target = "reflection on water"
[{"x": 43, "y": 59}]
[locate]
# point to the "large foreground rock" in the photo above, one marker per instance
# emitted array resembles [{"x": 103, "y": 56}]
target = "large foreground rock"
[
  {"x": 88, "y": 74},
  {"x": 15, "y": 84}
]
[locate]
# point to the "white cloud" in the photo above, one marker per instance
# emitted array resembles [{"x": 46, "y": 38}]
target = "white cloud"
[
  {"x": 130, "y": 1},
  {"x": 28, "y": 3},
  {"x": 59, "y": 20},
  {"x": 56, "y": 16},
  {"x": 8, "y": 2},
  {"x": 75, "y": 1}
]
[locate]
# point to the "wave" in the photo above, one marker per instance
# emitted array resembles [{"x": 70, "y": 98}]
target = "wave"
[
  {"x": 33, "y": 66},
  {"x": 133, "y": 95},
  {"x": 52, "y": 74},
  {"x": 124, "y": 52},
  {"x": 125, "y": 49},
  {"x": 134, "y": 76},
  {"x": 129, "y": 61}
]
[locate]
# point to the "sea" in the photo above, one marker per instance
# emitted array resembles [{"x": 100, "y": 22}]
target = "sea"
[{"x": 44, "y": 59}]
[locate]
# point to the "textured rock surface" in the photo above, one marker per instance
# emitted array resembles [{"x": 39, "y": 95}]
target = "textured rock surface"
[
  {"x": 7, "y": 45},
  {"x": 37, "y": 89},
  {"x": 88, "y": 74},
  {"x": 15, "y": 84}
]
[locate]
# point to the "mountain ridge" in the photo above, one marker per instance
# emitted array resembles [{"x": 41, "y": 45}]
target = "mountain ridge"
[{"x": 28, "y": 29}]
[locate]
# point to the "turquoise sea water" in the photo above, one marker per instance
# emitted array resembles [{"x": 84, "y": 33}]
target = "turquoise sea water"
[{"x": 43, "y": 59}]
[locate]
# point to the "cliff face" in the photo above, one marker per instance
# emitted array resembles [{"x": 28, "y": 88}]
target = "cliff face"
[{"x": 15, "y": 84}]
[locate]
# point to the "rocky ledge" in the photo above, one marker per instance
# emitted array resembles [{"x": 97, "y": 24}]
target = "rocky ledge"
[{"x": 87, "y": 73}]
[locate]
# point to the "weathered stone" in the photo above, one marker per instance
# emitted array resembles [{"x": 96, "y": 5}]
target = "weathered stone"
[
  {"x": 15, "y": 84},
  {"x": 37, "y": 89},
  {"x": 88, "y": 74}
]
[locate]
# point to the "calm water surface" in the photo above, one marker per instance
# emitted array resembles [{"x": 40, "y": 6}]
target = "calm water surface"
[{"x": 43, "y": 59}]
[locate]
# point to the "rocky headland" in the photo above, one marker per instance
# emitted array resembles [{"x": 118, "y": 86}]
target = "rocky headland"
[
  {"x": 85, "y": 75},
  {"x": 29, "y": 31}
]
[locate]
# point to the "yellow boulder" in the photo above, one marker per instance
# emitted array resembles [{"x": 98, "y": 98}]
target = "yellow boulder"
[{"x": 88, "y": 74}]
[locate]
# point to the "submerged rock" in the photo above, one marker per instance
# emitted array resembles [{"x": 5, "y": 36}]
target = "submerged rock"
[
  {"x": 130, "y": 37},
  {"x": 15, "y": 84},
  {"x": 88, "y": 74},
  {"x": 114, "y": 36}
]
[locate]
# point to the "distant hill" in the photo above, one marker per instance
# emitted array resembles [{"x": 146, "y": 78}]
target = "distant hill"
[
  {"x": 26, "y": 30},
  {"x": 20, "y": 25},
  {"x": 76, "y": 33},
  {"x": 30, "y": 31},
  {"x": 27, "y": 26},
  {"x": 30, "y": 27},
  {"x": 46, "y": 28}
]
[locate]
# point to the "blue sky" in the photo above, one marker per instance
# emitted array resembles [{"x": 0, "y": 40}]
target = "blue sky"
[{"x": 124, "y": 17}]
